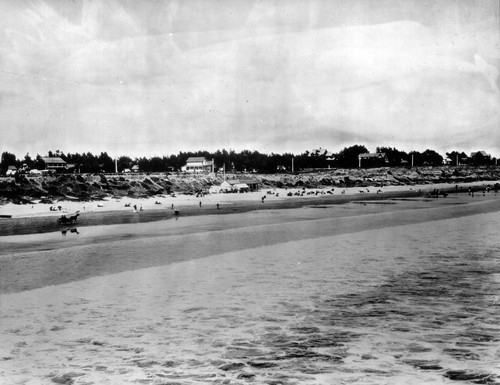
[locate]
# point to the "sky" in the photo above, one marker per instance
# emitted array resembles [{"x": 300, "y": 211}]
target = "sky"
[{"x": 152, "y": 78}]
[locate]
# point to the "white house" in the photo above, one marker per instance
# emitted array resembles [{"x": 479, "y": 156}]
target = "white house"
[
  {"x": 54, "y": 163},
  {"x": 234, "y": 186},
  {"x": 198, "y": 164}
]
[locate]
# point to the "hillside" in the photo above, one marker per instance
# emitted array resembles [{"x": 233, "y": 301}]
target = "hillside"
[{"x": 85, "y": 187}]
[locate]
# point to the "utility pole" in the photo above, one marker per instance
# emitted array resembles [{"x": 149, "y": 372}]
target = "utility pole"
[
  {"x": 292, "y": 165},
  {"x": 116, "y": 166}
]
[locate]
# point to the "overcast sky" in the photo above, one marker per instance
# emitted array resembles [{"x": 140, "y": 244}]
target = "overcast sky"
[{"x": 145, "y": 78}]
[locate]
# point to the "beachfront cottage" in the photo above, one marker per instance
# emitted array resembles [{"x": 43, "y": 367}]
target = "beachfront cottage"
[
  {"x": 234, "y": 186},
  {"x": 376, "y": 159},
  {"x": 198, "y": 164},
  {"x": 226, "y": 186},
  {"x": 55, "y": 163},
  {"x": 240, "y": 185},
  {"x": 252, "y": 183}
]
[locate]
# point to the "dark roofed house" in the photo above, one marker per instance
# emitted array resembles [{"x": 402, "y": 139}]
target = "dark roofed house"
[
  {"x": 54, "y": 163},
  {"x": 480, "y": 158},
  {"x": 374, "y": 159},
  {"x": 484, "y": 154},
  {"x": 252, "y": 183}
]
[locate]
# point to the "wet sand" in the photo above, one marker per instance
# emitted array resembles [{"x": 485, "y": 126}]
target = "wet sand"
[
  {"x": 37, "y": 260},
  {"x": 46, "y": 223}
]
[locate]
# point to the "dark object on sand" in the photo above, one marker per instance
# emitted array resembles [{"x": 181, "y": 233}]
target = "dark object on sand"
[
  {"x": 5, "y": 216},
  {"x": 177, "y": 213},
  {"x": 67, "y": 221},
  {"x": 436, "y": 193},
  {"x": 63, "y": 220}
]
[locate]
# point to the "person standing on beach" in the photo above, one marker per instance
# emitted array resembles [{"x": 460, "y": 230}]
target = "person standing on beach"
[{"x": 200, "y": 203}]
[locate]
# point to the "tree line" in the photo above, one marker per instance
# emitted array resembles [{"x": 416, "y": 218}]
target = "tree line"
[{"x": 247, "y": 161}]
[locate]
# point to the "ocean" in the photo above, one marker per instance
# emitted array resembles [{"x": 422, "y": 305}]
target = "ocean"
[{"x": 405, "y": 304}]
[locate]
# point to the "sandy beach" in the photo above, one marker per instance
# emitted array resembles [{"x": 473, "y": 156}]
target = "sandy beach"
[{"x": 38, "y": 217}]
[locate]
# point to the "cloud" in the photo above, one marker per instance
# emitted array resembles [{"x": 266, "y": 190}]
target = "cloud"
[{"x": 267, "y": 79}]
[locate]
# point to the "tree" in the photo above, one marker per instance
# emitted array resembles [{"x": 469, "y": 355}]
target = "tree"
[
  {"x": 426, "y": 158},
  {"x": 38, "y": 163},
  {"x": 124, "y": 162},
  {"x": 8, "y": 159},
  {"x": 28, "y": 161},
  {"x": 348, "y": 157},
  {"x": 457, "y": 158},
  {"x": 431, "y": 158},
  {"x": 314, "y": 159},
  {"x": 396, "y": 157},
  {"x": 106, "y": 163}
]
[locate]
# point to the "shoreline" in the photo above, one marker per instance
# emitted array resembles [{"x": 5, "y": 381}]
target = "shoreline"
[
  {"x": 48, "y": 223},
  {"x": 39, "y": 218}
]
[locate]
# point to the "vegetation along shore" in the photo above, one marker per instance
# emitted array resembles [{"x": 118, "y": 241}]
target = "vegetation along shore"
[{"x": 25, "y": 189}]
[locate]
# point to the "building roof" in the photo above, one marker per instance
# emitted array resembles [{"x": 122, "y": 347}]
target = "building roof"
[
  {"x": 372, "y": 155},
  {"x": 53, "y": 159},
  {"x": 483, "y": 153},
  {"x": 249, "y": 181},
  {"x": 12, "y": 168},
  {"x": 196, "y": 159}
]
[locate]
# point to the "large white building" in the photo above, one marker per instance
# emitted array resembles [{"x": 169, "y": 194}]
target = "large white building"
[
  {"x": 198, "y": 164},
  {"x": 54, "y": 163}
]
